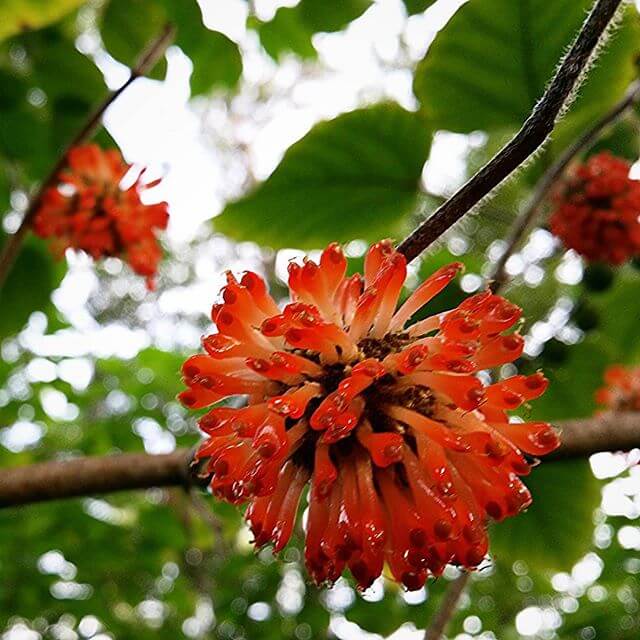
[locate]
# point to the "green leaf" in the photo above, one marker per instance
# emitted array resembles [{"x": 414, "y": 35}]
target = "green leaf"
[
  {"x": 573, "y": 384},
  {"x": 55, "y": 60},
  {"x": 5, "y": 186},
  {"x": 25, "y": 15},
  {"x": 490, "y": 64},
  {"x": 622, "y": 140},
  {"x": 619, "y": 312},
  {"x": 67, "y": 112},
  {"x": 417, "y": 6},
  {"x": 26, "y": 137},
  {"x": 352, "y": 177},
  {"x": 578, "y": 374},
  {"x": 318, "y": 15},
  {"x": 286, "y": 32},
  {"x": 216, "y": 62},
  {"x": 14, "y": 90},
  {"x": 28, "y": 286},
  {"x": 216, "y": 59},
  {"x": 557, "y": 529},
  {"x": 292, "y": 27}
]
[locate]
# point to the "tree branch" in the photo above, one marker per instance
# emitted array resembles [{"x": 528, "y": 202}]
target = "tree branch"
[
  {"x": 147, "y": 60},
  {"x": 448, "y": 607},
  {"x": 530, "y": 137},
  {"x": 533, "y": 207},
  {"x": 608, "y": 431},
  {"x": 92, "y": 475},
  {"x": 121, "y": 472}
]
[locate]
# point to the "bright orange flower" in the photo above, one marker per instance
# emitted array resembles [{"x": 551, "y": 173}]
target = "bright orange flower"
[
  {"x": 407, "y": 453},
  {"x": 88, "y": 210},
  {"x": 597, "y": 210},
  {"x": 622, "y": 388}
]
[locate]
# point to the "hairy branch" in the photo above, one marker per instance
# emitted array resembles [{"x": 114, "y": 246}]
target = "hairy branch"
[
  {"x": 447, "y": 608},
  {"x": 107, "y": 474},
  {"x": 530, "y": 137},
  {"x": 147, "y": 60},
  {"x": 533, "y": 207}
]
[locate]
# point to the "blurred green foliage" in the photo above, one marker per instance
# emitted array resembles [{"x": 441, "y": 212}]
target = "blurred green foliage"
[
  {"x": 35, "y": 265},
  {"x": 291, "y": 28},
  {"x": 545, "y": 540},
  {"x": 24, "y": 15},
  {"x": 417, "y": 6},
  {"x": 128, "y": 25}
]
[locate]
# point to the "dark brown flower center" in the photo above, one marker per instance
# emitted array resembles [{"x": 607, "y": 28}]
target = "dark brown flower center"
[
  {"x": 383, "y": 392},
  {"x": 379, "y": 348}
]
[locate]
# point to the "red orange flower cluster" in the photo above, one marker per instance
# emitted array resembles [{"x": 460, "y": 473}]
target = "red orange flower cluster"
[
  {"x": 88, "y": 210},
  {"x": 622, "y": 388},
  {"x": 598, "y": 209},
  {"x": 407, "y": 454}
]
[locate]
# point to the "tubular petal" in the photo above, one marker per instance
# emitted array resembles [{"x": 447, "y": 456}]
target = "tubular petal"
[
  {"x": 334, "y": 266},
  {"x": 499, "y": 351},
  {"x": 430, "y": 288},
  {"x": 293, "y": 405},
  {"x": 384, "y": 448},
  {"x": 390, "y": 283},
  {"x": 437, "y": 431},
  {"x": 257, "y": 288},
  {"x": 374, "y": 259},
  {"x": 535, "y": 438}
]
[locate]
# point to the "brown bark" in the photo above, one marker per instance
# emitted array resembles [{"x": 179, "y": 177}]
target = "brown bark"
[{"x": 92, "y": 475}]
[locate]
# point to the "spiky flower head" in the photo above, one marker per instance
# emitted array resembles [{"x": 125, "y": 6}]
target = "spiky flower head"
[
  {"x": 89, "y": 210},
  {"x": 621, "y": 390},
  {"x": 407, "y": 453},
  {"x": 597, "y": 210}
]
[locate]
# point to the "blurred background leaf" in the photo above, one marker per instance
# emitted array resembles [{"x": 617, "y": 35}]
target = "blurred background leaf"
[
  {"x": 29, "y": 286},
  {"x": 128, "y": 26},
  {"x": 417, "y": 6},
  {"x": 24, "y": 15},
  {"x": 547, "y": 540},
  {"x": 43, "y": 109},
  {"x": 291, "y": 28}
]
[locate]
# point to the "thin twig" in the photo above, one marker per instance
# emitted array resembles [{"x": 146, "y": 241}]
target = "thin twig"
[
  {"x": 148, "y": 59},
  {"x": 447, "y": 608},
  {"x": 530, "y": 137},
  {"x": 533, "y": 207}
]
